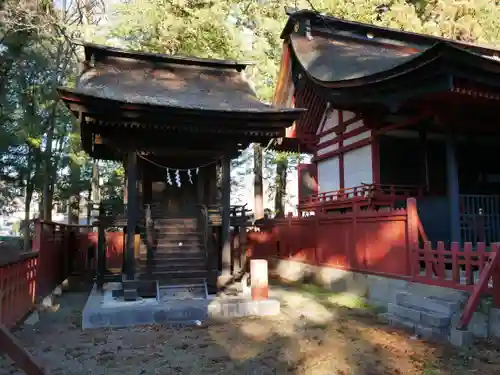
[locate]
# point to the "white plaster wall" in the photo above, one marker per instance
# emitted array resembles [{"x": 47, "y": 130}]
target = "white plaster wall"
[
  {"x": 358, "y": 167},
  {"x": 328, "y": 175},
  {"x": 331, "y": 121}
]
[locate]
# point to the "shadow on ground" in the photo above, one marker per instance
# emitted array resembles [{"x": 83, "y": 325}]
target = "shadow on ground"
[{"x": 312, "y": 336}]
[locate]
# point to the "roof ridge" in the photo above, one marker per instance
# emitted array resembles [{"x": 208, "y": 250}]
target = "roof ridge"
[{"x": 93, "y": 49}]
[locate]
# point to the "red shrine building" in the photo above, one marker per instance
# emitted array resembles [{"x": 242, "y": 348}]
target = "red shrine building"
[{"x": 390, "y": 115}]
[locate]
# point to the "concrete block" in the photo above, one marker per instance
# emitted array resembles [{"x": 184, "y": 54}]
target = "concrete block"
[
  {"x": 430, "y": 304},
  {"x": 384, "y": 289},
  {"x": 438, "y": 292},
  {"x": 397, "y": 322},
  {"x": 431, "y": 333},
  {"x": 494, "y": 323},
  {"x": 479, "y": 324},
  {"x": 233, "y": 307},
  {"x": 404, "y": 312},
  {"x": 461, "y": 338},
  {"x": 32, "y": 319},
  {"x": 434, "y": 319}
]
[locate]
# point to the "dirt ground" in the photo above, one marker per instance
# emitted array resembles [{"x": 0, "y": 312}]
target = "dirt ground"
[{"x": 312, "y": 336}]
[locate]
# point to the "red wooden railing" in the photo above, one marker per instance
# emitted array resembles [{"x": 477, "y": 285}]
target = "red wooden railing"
[
  {"x": 385, "y": 193},
  {"x": 391, "y": 244},
  {"x": 29, "y": 276}
]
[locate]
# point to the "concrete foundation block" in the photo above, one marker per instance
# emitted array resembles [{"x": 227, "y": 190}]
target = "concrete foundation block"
[
  {"x": 404, "y": 312},
  {"x": 397, "y": 322},
  {"x": 494, "y": 323},
  {"x": 461, "y": 338},
  {"x": 431, "y": 333},
  {"x": 479, "y": 324},
  {"x": 433, "y": 291},
  {"x": 426, "y": 303},
  {"x": 433, "y": 319},
  {"x": 384, "y": 289},
  {"x": 234, "y": 308},
  {"x": 32, "y": 319}
]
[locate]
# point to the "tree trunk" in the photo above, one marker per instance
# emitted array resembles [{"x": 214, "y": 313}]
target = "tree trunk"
[
  {"x": 46, "y": 212},
  {"x": 281, "y": 175},
  {"x": 258, "y": 188},
  {"x": 31, "y": 177}
]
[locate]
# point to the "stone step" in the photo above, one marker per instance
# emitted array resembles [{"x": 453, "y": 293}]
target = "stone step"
[
  {"x": 420, "y": 316},
  {"x": 179, "y": 236},
  {"x": 168, "y": 247},
  {"x": 173, "y": 266},
  {"x": 175, "y": 254},
  {"x": 437, "y": 305},
  {"x": 177, "y": 260},
  {"x": 423, "y": 331},
  {"x": 168, "y": 275},
  {"x": 178, "y": 222}
]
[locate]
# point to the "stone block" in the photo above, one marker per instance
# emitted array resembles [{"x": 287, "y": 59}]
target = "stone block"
[
  {"x": 32, "y": 319},
  {"x": 58, "y": 290},
  {"x": 48, "y": 301},
  {"x": 431, "y": 333},
  {"x": 494, "y": 323},
  {"x": 479, "y": 324},
  {"x": 384, "y": 289},
  {"x": 404, "y": 312},
  {"x": 397, "y": 322},
  {"x": 426, "y": 303},
  {"x": 434, "y": 319},
  {"x": 231, "y": 308},
  {"x": 460, "y": 338}
]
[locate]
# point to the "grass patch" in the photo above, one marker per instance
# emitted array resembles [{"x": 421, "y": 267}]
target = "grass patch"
[{"x": 331, "y": 299}]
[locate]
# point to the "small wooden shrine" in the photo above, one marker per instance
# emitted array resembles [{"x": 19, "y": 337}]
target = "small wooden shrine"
[
  {"x": 175, "y": 123},
  {"x": 393, "y": 114}
]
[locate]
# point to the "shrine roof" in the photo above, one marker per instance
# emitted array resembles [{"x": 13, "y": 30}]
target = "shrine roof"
[
  {"x": 341, "y": 54},
  {"x": 169, "y": 82}
]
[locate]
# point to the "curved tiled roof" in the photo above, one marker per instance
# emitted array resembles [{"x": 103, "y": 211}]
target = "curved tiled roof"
[{"x": 339, "y": 53}]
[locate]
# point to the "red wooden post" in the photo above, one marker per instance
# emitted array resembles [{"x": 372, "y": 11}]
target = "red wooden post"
[
  {"x": 496, "y": 278},
  {"x": 412, "y": 223},
  {"x": 490, "y": 268}
]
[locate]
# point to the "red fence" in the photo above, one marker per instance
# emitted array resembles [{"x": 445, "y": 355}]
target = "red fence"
[
  {"x": 29, "y": 276},
  {"x": 366, "y": 241},
  {"x": 390, "y": 243}
]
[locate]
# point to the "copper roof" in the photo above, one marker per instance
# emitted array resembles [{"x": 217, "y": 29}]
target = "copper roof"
[
  {"x": 335, "y": 58},
  {"x": 166, "y": 81},
  {"x": 339, "y": 53}
]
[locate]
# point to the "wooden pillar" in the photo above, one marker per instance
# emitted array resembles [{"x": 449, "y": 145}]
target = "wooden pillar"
[
  {"x": 132, "y": 212},
  {"x": 453, "y": 187},
  {"x": 101, "y": 249},
  {"x": 226, "y": 201}
]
